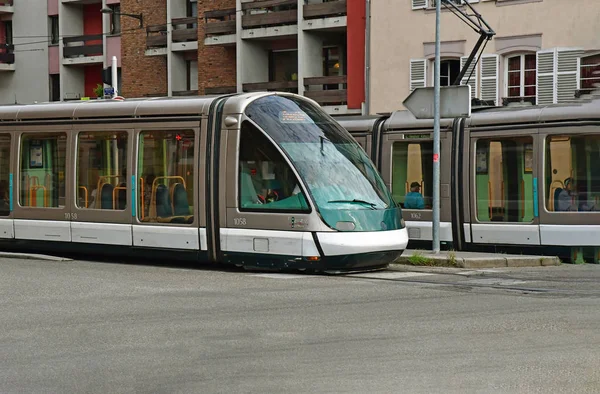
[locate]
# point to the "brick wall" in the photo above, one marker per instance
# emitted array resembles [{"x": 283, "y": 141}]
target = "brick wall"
[
  {"x": 141, "y": 75},
  {"x": 216, "y": 65}
]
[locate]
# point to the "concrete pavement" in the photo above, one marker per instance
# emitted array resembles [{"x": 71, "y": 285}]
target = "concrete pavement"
[{"x": 473, "y": 260}]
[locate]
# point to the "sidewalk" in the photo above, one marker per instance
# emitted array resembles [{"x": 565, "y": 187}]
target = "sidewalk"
[{"x": 473, "y": 260}]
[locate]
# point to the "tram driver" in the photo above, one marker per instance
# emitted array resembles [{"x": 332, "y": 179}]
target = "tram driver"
[{"x": 414, "y": 199}]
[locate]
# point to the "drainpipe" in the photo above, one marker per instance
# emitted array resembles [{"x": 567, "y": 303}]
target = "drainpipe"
[{"x": 367, "y": 107}]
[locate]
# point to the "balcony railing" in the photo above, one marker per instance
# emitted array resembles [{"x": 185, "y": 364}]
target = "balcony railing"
[
  {"x": 156, "y": 36},
  {"x": 185, "y": 93},
  {"x": 219, "y": 22},
  {"x": 271, "y": 86},
  {"x": 267, "y": 13},
  {"x": 324, "y": 10},
  {"x": 6, "y": 54},
  {"x": 185, "y": 29},
  {"x": 332, "y": 94},
  {"x": 220, "y": 90},
  {"x": 78, "y": 46}
]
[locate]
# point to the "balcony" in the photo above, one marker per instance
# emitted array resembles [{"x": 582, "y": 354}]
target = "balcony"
[
  {"x": 220, "y": 90},
  {"x": 156, "y": 40},
  {"x": 86, "y": 49},
  {"x": 185, "y": 34},
  {"x": 183, "y": 93},
  {"x": 7, "y": 58},
  {"x": 329, "y": 15},
  {"x": 270, "y": 18},
  {"x": 6, "y": 7},
  {"x": 327, "y": 90},
  {"x": 219, "y": 27},
  {"x": 281, "y": 86},
  {"x": 325, "y": 9}
]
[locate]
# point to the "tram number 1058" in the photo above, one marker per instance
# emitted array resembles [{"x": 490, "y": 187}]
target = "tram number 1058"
[{"x": 239, "y": 221}]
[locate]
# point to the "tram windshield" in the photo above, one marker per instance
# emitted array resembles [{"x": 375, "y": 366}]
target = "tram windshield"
[{"x": 341, "y": 179}]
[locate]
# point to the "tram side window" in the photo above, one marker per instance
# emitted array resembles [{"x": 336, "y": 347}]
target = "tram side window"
[
  {"x": 102, "y": 170},
  {"x": 4, "y": 175},
  {"x": 266, "y": 182},
  {"x": 166, "y": 176},
  {"x": 504, "y": 179},
  {"x": 42, "y": 174},
  {"x": 412, "y": 174},
  {"x": 572, "y": 173}
]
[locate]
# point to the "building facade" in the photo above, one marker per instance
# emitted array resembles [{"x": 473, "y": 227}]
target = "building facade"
[
  {"x": 544, "y": 51},
  {"x": 189, "y": 47},
  {"x": 23, "y": 52},
  {"x": 52, "y": 50}
]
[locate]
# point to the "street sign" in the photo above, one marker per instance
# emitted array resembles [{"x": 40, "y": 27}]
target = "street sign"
[
  {"x": 455, "y": 102},
  {"x": 109, "y": 91}
]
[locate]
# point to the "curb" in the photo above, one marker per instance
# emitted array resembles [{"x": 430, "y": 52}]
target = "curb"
[
  {"x": 428, "y": 259},
  {"x": 31, "y": 256}
]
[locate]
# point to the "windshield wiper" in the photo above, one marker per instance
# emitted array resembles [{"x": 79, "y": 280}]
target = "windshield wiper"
[{"x": 355, "y": 201}]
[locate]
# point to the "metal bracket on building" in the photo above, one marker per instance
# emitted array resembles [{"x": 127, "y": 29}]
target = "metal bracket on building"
[{"x": 476, "y": 22}]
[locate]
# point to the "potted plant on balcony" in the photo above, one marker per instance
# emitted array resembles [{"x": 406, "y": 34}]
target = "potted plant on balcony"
[{"x": 99, "y": 91}]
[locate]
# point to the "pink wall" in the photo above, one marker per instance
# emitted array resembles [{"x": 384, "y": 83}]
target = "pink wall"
[
  {"x": 113, "y": 48},
  {"x": 53, "y": 60},
  {"x": 52, "y": 7}
]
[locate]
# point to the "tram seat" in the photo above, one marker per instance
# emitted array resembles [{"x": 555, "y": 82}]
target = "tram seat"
[
  {"x": 248, "y": 195},
  {"x": 555, "y": 188},
  {"x": 106, "y": 196},
  {"x": 163, "y": 205},
  {"x": 181, "y": 208}
]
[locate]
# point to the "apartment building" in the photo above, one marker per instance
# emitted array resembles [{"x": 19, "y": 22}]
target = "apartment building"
[
  {"x": 87, "y": 40},
  {"x": 544, "y": 51},
  {"x": 23, "y": 51},
  {"x": 52, "y": 50},
  {"x": 310, "y": 47}
]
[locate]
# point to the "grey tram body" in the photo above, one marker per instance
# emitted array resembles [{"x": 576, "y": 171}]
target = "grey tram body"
[
  {"x": 218, "y": 230},
  {"x": 461, "y": 228}
]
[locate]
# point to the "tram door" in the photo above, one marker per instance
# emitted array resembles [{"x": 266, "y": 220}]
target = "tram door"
[
  {"x": 504, "y": 207},
  {"x": 407, "y": 163},
  {"x": 6, "y": 188},
  {"x": 169, "y": 213}
]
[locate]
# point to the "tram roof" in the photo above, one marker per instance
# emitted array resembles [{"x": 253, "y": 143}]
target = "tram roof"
[{"x": 128, "y": 108}]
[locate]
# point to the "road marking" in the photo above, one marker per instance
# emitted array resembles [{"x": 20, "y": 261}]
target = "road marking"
[
  {"x": 389, "y": 275},
  {"x": 496, "y": 282}
]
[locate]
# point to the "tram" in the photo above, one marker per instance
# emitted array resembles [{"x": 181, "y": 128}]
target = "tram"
[
  {"x": 258, "y": 180},
  {"x": 523, "y": 178}
]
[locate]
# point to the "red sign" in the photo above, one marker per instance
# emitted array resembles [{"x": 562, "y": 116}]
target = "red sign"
[{"x": 436, "y": 157}]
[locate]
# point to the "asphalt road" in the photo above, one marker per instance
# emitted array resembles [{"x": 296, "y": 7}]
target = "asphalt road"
[{"x": 85, "y": 327}]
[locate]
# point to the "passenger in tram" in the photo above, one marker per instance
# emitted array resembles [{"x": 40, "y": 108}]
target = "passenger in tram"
[
  {"x": 565, "y": 201},
  {"x": 414, "y": 199}
]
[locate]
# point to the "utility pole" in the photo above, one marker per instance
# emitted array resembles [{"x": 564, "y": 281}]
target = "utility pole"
[{"x": 436, "y": 133}]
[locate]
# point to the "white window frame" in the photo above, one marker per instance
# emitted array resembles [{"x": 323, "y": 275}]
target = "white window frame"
[
  {"x": 580, "y": 65},
  {"x": 506, "y": 71},
  {"x": 431, "y": 66}
]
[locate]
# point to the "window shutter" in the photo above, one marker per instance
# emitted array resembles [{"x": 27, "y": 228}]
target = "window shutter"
[
  {"x": 567, "y": 74},
  {"x": 418, "y": 73},
  {"x": 419, "y": 4},
  {"x": 546, "y": 66},
  {"x": 473, "y": 80},
  {"x": 489, "y": 77}
]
